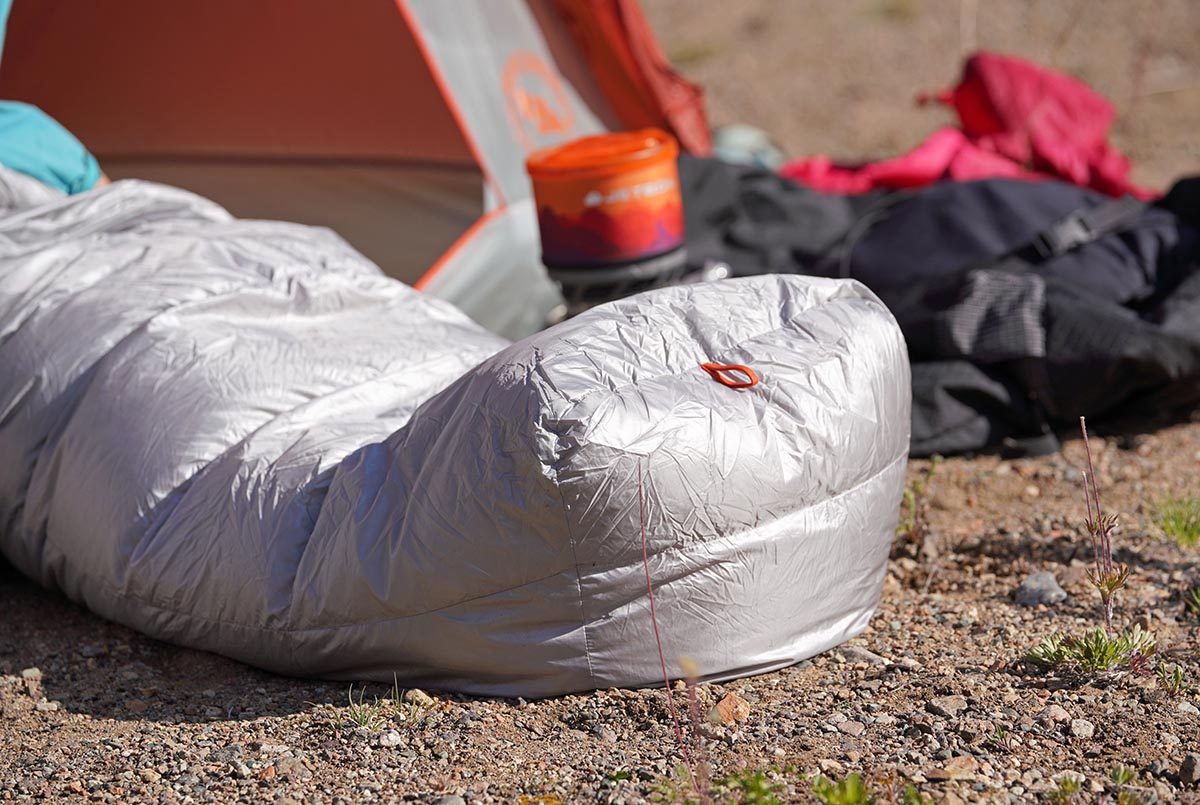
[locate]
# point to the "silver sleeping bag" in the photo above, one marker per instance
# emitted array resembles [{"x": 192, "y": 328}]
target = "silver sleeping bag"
[{"x": 240, "y": 436}]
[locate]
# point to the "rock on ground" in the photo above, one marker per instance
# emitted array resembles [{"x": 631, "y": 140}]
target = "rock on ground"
[
  {"x": 1039, "y": 588},
  {"x": 1189, "y": 770}
]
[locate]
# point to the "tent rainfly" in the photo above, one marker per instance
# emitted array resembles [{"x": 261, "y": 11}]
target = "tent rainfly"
[{"x": 401, "y": 124}]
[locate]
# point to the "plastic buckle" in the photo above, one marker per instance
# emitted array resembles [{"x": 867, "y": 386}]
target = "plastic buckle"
[{"x": 1061, "y": 238}]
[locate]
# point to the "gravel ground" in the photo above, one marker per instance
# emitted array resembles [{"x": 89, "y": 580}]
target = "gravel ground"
[{"x": 935, "y": 693}]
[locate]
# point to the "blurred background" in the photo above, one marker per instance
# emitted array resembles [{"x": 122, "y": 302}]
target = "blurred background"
[{"x": 841, "y": 77}]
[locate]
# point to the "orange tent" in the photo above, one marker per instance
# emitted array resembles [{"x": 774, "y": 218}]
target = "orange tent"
[{"x": 402, "y": 124}]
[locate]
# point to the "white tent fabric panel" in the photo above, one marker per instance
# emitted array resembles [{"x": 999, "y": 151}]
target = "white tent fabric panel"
[
  {"x": 496, "y": 277},
  {"x": 513, "y": 78}
]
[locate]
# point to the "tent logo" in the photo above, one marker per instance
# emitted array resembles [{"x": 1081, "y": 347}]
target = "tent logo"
[{"x": 538, "y": 105}]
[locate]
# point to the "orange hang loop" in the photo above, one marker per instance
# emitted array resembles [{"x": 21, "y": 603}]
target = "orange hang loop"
[{"x": 720, "y": 373}]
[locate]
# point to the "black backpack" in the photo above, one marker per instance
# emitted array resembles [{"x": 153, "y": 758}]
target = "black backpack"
[{"x": 1025, "y": 304}]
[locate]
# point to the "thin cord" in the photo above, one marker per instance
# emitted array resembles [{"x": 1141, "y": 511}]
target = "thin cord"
[{"x": 687, "y": 760}]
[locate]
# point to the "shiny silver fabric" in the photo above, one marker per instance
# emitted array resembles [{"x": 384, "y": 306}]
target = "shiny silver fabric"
[{"x": 239, "y": 436}]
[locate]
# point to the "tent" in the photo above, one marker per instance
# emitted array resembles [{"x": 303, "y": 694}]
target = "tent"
[{"x": 401, "y": 124}]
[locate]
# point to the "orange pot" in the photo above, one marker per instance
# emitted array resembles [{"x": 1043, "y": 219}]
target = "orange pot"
[{"x": 608, "y": 199}]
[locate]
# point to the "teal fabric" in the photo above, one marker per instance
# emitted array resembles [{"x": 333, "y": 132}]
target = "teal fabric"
[
  {"x": 33, "y": 143},
  {"x": 5, "y": 7}
]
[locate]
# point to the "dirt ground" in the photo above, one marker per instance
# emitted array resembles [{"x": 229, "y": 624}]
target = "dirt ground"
[
  {"x": 935, "y": 694},
  {"x": 840, "y": 78}
]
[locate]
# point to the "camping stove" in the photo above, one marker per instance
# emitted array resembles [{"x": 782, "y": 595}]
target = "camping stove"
[
  {"x": 584, "y": 288},
  {"x": 610, "y": 215}
]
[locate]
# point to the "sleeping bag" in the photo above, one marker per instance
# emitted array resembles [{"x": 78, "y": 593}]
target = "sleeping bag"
[{"x": 240, "y": 436}]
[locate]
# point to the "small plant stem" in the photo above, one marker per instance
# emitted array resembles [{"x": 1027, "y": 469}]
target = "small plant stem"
[
  {"x": 1105, "y": 546},
  {"x": 1091, "y": 519},
  {"x": 1106, "y": 577}
]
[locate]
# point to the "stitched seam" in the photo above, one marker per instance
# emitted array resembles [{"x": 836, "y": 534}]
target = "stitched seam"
[{"x": 583, "y": 621}]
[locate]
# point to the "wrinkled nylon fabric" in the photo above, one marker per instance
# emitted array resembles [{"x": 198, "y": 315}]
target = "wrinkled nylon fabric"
[{"x": 240, "y": 436}]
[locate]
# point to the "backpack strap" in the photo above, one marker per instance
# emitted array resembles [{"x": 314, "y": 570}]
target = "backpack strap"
[
  {"x": 1073, "y": 230},
  {"x": 1063, "y": 236},
  {"x": 1080, "y": 227}
]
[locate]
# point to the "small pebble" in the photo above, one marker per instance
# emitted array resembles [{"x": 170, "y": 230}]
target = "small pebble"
[
  {"x": 1053, "y": 714},
  {"x": 854, "y": 728},
  {"x": 418, "y": 697},
  {"x": 605, "y": 733},
  {"x": 859, "y": 654},
  {"x": 947, "y": 706},
  {"x": 1189, "y": 770},
  {"x": 1158, "y": 768},
  {"x": 1039, "y": 588},
  {"x": 729, "y": 709}
]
